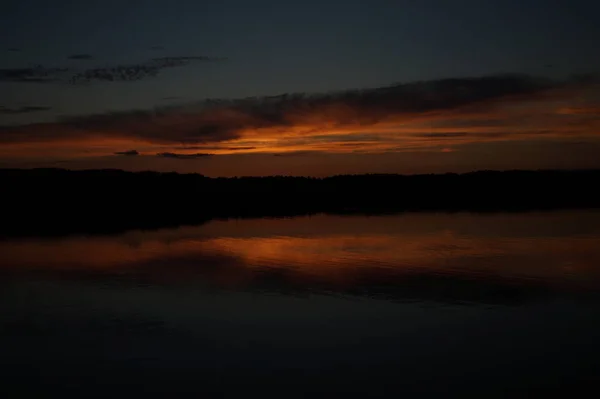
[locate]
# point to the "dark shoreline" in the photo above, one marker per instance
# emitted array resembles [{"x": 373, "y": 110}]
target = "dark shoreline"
[{"x": 56, "y": 202}]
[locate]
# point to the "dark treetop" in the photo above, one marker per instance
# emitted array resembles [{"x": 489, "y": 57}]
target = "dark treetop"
[{"x": 58, "y": 201}]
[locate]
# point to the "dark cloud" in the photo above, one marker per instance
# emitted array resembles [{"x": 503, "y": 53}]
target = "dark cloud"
[
  {"x": 239, "y": 148},
  {"x": 182, "y": 156},
  {"x": 13, "y": 49},
  {"x": 134, "y": 72},
  {"x": 169, "y": 62},
  {"x": 294, "y": 153},
  {"x": 444, "y": 135},
  {"x": 168, "y": 125},
  {"x": 217, "y": 148},
  {"x": 22, "y": 110},
  {"x": 352, "y": 137},
  {"x": 585, "y": 77},
  {"x": 119, "y": 73},
  {"x": 157, "y": 48},
  {"x": 489, "y": 121},
  {"x": 80, "y": 57},
  {"x": 350, "y": 144},
  {"x": 214, "y": 121},
  {"x": 170, "y": 98},
  {"x": 580, "y": 110},
  {"x": 35, "y": 74},
  {"x": 460, "y": 135},
  {"x": 113, "y": 73},
  {"x": 127, "y": 153}
]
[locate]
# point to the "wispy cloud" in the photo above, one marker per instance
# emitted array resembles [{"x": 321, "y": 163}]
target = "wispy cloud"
[
  {"x": 119, "y": 73},
  {"x": 443, "y": 135},
  {"x": 208, "y": 147},
  {"x": 403, "y": 117},
  {"x": 22, "y": 110},
  {"x": 293, "y": 153},
  {"x": 182, "y": 156},
  {"x": 35, "y": 74},
  {"x": 582, "y": 110},
  {"x": 109, "y": 73},
  {"x": 139, "y": 71},
  {"x": 169, "y": 62},
  {"x": 80, "y": 57},
  {"x": 128, "y": 153}
]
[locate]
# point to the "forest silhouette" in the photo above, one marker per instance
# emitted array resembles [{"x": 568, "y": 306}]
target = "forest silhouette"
[{"x": 41, "y": 202}]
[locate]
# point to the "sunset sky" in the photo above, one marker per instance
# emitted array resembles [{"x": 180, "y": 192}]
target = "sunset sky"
[{"x": 308, "y": 87}]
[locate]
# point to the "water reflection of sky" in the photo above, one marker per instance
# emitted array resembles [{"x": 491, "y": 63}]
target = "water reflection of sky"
[
  {"x": 347, "y": 254},
  {"x": 326, "y": 305}
]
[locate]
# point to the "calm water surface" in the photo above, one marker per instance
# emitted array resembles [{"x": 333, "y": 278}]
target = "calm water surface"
[{"x": 491, "y": 305}]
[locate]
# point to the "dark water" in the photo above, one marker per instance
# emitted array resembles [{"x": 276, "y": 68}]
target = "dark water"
[{"x": 496, "y": 305}]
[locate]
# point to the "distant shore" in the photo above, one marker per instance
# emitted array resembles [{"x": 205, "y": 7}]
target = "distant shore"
[{"x": 50, "y": 202}]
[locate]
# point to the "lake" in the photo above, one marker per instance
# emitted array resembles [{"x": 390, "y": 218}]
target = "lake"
[{"x": 420, "y": 304}]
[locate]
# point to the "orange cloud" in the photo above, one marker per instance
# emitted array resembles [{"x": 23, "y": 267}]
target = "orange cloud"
[
  {"x": 411, "y": 117},
  {"x": 581, "y": 110}
]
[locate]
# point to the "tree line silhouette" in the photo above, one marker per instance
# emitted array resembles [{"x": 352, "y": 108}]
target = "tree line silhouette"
[{"x": 60, "y": 201}]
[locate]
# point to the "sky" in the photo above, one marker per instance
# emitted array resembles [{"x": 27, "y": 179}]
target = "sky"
[{"x": 301, "y": 88}]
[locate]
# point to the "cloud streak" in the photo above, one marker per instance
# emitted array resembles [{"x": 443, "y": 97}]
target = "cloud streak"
[
  {"x": 118, "y": 73},
  {"x": 35, "y": 74},
  {"x": 22, "y": 110},
  {"x": 182, "y": 156},
  {"x": 110, "y": 73},
  {"x": 129, "y": 153},
  {"x": 134, "y": 72},
  {"x": 170, "y": 62},
  {"x": 402, "y": 117},
  {"x": 80, "y": 57}
]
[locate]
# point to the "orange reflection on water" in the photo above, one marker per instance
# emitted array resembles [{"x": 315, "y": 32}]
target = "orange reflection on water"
[
  {"x": 336, "y": 248},
  {"x": 547, "y": 258}
]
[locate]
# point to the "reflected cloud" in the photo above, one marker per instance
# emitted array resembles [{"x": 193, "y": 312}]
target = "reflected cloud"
[{"x": 438, "y": 262}]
